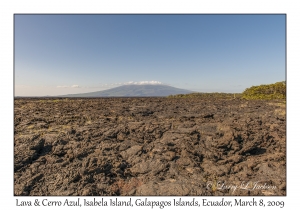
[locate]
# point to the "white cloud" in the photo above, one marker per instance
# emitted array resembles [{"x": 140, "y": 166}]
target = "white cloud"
[
  {"x": 75, "y": 86},
  {"x": 143, "y": 83},
  {"x": 66, "y": 86},
  {"x": 150, "y": 82}
]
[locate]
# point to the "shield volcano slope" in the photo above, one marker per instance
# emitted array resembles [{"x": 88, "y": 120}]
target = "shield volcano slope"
[{"x": 134, "y": 91}]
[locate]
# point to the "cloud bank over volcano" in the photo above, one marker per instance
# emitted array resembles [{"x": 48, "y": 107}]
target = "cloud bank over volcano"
[{"x": 144, "y": 83}]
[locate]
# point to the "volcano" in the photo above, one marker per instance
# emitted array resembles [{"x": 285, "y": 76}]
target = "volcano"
[{"x": 147, "y": 90}]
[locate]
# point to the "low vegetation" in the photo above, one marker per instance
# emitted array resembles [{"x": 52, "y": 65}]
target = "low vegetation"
[
  {"x": 270, "y": 91},
  {"x": 208, "y": 95}
]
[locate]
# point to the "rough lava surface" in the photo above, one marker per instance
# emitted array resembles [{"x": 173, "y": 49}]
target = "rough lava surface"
[{"x": 149, "y": 146}]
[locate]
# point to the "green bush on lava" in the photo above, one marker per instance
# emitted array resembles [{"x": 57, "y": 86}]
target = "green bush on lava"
[{"x": 271, "y": 91}]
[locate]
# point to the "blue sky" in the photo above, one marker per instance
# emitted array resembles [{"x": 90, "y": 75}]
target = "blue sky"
[{"x": 61, "y": 54}]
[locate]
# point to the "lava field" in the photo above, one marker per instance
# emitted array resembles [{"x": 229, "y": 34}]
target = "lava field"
[{"x": 149, "y": 147}]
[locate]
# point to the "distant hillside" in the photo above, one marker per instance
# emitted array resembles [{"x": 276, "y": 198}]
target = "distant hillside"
[{"x": 134, "y": 91}]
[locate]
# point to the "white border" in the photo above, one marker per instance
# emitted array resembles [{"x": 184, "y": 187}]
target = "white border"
[{"x": 8, "y": 8}]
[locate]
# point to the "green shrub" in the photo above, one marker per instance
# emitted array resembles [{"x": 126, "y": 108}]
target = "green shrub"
[{"x": 271, "y": 91}]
